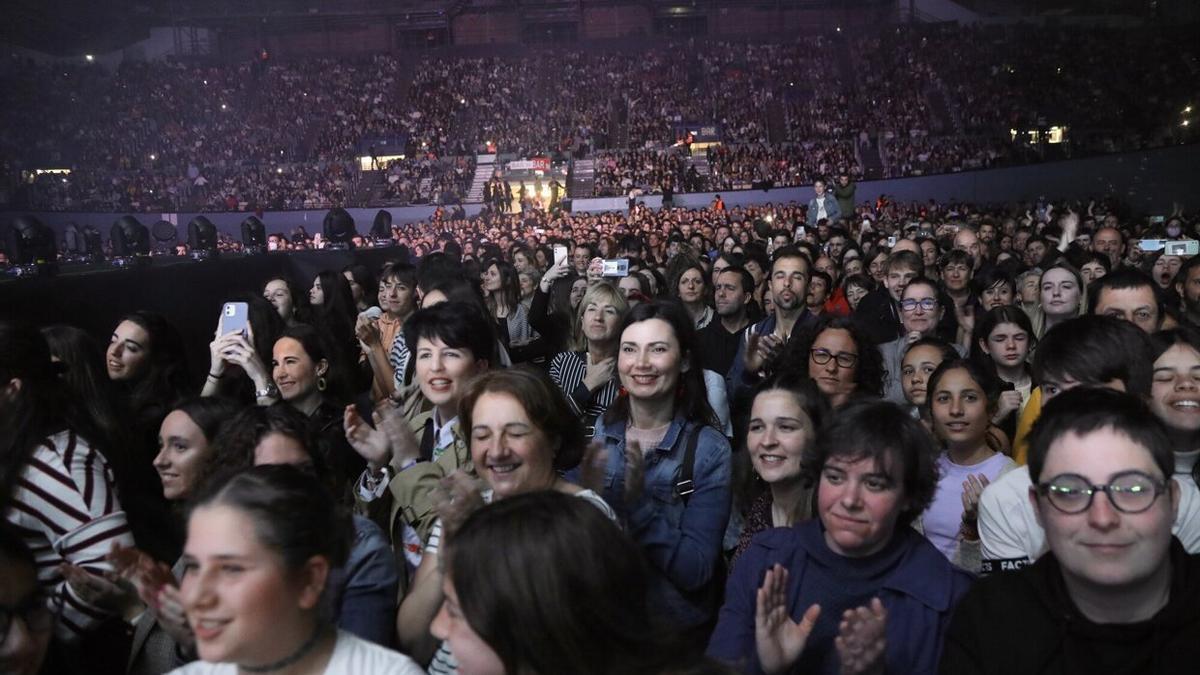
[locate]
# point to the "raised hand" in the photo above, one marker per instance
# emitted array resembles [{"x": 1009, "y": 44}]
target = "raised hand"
[
  {"x": 457, "y": 496},
  {"x": 1009, "y": 402},
  {"x": 371, "y": 444},
  {"x": 108, "y": 592},
  {"x": 598, "y": 374},
  {"x": 862, "y": 639},
  {"x": 779, "y": 640},
  {"x": 973, "y": 487},
  {"x": 594, "y": 467},
  {"x": 169, "y": 610}
]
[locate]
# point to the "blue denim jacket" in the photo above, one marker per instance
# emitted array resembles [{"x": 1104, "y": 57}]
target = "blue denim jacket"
[
  {"x": 682, "y": 542},
  {"x": 363, "y": 592}
]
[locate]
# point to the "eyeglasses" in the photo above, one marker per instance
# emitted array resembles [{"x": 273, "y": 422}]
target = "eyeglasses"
[
  {"x": 38, "y": 614},
  {"x": 928, "y": 304},
  {"x": 844, "y": 359},
  {"x": 1129, "y": 492}
]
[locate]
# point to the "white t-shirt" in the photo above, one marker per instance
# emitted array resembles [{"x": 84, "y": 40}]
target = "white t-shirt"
[
  {"x": 1009, "y": 534},
  {"x": 351, "y": 656}
]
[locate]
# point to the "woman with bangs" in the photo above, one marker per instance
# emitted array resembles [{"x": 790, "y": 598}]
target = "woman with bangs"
[
  {"x": 666, "y": 466},
  {"x": 586, "y": 376},
  {"x": 856, "y": 589}
]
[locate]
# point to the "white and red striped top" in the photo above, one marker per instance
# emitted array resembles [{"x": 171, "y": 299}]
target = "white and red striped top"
[{"x": 65, "y": 506}]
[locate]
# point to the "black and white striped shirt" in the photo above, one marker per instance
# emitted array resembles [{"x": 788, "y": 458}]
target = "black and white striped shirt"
[{"x": 568, "y": 369}]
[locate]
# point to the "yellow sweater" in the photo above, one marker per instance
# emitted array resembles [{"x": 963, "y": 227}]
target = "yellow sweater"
[{"x": 1029, "y": 415}]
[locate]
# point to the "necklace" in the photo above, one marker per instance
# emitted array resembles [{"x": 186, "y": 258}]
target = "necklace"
[{"x": 287, "y": 660}]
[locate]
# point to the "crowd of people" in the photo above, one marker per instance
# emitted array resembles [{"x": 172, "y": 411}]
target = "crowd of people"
[
  {"x": 941, "y": 98},
  {"x": 823, "y": 437}
]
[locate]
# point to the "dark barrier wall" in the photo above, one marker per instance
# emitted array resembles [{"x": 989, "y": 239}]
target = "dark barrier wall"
[
  {"x": 188, "y": 293},
  {"x": 1150, "y": 181}
]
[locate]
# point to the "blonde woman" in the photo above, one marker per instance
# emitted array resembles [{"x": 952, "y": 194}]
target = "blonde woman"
[{"x": 585, "y": 374}]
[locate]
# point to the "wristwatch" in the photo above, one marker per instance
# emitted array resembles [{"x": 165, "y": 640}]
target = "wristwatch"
[{"x": 270, "y": 391}]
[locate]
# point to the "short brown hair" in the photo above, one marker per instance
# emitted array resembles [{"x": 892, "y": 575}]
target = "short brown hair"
[{"x": 543, "y": 402}]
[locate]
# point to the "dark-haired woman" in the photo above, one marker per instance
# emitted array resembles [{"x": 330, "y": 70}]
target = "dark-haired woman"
[
  {"x": 285, "y": 298},
  {"x": 856, "y": 572},
  {"x": 363, "y": 286},
  {"x": 363, "y": 591},
  {"x": 668, "y": 467},
  {"x": 522, "y": 435},
  {"x": 334, "y": 313},
  {"x": 589, "y": 614},
  {"x": 1002, "y": 343},
  {"x": 260, "y": 552},
  {"x": 162, "y": 638},
  {"x": 304, "y": 377},
  {"x": 838, "y": 357},
  {"x": 56, "y": 487},
  {"x": 787, "y": 412},
  {"x": 503, "y": 293},
  {"x": 234, "y": 354},
  {"x": 961, "y": 400}
]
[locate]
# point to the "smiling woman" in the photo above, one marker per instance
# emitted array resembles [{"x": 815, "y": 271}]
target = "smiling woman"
[{"x": 256, "y": 566}]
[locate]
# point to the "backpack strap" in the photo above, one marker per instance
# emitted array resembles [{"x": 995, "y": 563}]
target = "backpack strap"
[{"x": 684, "y": 487}]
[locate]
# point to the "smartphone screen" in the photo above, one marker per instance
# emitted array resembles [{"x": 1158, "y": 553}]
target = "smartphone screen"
[{"x": 235, "y": 317}]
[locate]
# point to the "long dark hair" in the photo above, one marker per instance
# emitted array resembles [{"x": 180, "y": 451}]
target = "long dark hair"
[
  {"x": 574, "y": 596},
  {"x": 510, "y": 285},
  {"x": 39, "y": 408},
  {"x": 337, "y": 315},
  {"x": 82, "y": 360},
  {"x": 984, "y": 326},
  {"x": 692, "y": 401},
  {"x": 167, "y": 379}
]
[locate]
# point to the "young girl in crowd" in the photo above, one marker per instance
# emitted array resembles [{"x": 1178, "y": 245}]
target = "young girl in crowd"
[
  {"x": 922, "y": 358},
  {"x": 260, "y": 551},
  {"x": 961, "y": 400},
  {"x": 1002, "y": 343},
  {"x": 787, "y": 412}
]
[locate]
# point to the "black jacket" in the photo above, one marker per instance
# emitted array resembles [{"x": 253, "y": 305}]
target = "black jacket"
[{"x": 1024, "y": 622}]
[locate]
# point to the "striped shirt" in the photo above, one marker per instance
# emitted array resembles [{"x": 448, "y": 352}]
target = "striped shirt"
[
  {"x": 65, "y": 506},
  {"x": 398, "y": 357},
  {"x": 568, "y": 369}
]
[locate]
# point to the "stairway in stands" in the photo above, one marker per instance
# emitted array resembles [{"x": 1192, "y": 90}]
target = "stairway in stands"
[
  {"x": 483, "y": 173},
  {"x": 870, "y": 159},
  {"x": 776, "y": 124},
  {"x": 583, "y": 179},
  {"x": 944, "y": 115}
]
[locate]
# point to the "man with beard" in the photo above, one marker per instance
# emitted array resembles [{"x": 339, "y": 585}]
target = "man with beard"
[
  {"x": 763, "y": 341},
  {"x": 718, "y": 341}
]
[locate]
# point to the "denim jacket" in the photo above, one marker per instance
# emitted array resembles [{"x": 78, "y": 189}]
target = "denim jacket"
[{"x": 682, "y": 542}]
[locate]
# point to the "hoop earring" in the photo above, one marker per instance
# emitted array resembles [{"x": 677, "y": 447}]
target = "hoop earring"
[{"x": 321, "y": 384}]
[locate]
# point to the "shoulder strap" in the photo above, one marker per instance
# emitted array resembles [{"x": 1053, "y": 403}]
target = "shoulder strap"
[{"x": 684, "y": 487}]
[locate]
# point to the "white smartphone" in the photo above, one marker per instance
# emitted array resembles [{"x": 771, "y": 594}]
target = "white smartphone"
[{"x": 560, "y": 254}]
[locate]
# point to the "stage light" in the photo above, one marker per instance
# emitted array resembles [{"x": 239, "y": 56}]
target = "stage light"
[
  {"x": 338, "y": 229},
  {"x": 223, "y": 106},
  {"x": 254, "y": 235},
  {"x": 381, "y": 228},
  {"x": 153, "y": 157},
  {"x": 89, "y": 58},
  {"x": 164, "y": 234},
  {"x": 129, "y": 237},
  {"x": 32, "y": 244},
  {"x": 202, "y": 238}
]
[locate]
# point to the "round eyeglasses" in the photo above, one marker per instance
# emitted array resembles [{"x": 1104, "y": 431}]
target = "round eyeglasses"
[
  {"x": 1128, "y": 492},
  {"x": 844, "y": 359}
]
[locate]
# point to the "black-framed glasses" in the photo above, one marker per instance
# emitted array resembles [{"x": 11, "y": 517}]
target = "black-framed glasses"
[
  {"x": 844, "y": 359},
  {"x": 1128, "y": 492},
  {"x": 928, "y": 304},
  {"x": 39, "y": 614}
]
